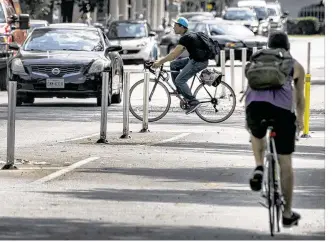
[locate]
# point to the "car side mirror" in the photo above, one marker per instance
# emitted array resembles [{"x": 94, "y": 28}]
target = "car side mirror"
[
  {"x": 13, "y": 46},
  {"x": 113, "y": 48},
  {"x": 152, "y": 34}
]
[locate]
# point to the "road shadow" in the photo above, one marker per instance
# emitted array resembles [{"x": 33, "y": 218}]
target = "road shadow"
[
  {"x": 229, "y": 187},
  {"x": 303, "y": 151},
  {"x": 21, "y": 228}
]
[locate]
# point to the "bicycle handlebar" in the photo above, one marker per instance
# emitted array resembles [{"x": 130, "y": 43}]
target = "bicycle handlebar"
[{"x": 148, "y": 65}]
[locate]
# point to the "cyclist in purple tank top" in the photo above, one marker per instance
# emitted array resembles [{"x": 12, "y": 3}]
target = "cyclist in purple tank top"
[{"x": 277, "y": 104}]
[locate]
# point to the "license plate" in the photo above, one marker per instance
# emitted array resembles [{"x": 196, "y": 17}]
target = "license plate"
[{"x": 55, "y": 83}]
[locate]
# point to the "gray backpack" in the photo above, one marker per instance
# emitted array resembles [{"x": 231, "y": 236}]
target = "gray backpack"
[{"x": 269, "y": 69}]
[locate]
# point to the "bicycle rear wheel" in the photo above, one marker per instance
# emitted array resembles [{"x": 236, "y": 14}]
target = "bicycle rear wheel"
[
  {"x": 159, "y": 100},
  {"x": 271, "y": 195},
  {"x": 218, "y": 103}
]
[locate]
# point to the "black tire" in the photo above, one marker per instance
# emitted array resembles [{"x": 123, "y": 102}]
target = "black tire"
[
  {"x": 99, "y": 101},
  {"x": 3, "y": 79},
  {"x": 29, "y": 100},
  {"x": 198, "y": 112},
  {"x": 218, "y": 62},
  {"x": 151, "y": 84},
  {"x": 271, "y": 195},
  {"x": 117, "y": 98},
  {"x": 19, "y": 102}
]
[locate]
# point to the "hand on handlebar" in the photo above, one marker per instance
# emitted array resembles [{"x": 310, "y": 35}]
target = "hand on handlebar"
[{"x": 156, "y": 64}]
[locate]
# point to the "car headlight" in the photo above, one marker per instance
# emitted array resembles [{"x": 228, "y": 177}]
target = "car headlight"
[
  {"x": 17, "y": 67},
  {"x": 97, "y": 67},
  {"x": 233, "y": 44}
]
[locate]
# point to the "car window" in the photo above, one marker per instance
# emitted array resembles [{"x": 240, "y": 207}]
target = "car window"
[
  {"x": 201, "y": 28},
  {"x": 2, "y": 15},
  {"x": 127, "y": 30},
  {"x": 239, "y": 15},
  {"x": 192, "y": 26},
  {"x": 231, "y": 29},
  {"x": 64, "y": 39},
  {"x": 261, "y": 12}
]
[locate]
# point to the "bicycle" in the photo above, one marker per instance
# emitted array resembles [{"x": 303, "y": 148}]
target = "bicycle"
[
  {"x": 271, "y": 189},
  {"x": 158, "y": 86}
]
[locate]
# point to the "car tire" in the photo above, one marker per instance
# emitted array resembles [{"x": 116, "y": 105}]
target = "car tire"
[
  {"x": 19, "y": 102},
  {"x": 3, "y": 79},
  {"x": 29, "y": 100},
  {"x": 117, "y": 98},
  {"x": 99, "y": 101},
  {"x": 218, "y": 62}
]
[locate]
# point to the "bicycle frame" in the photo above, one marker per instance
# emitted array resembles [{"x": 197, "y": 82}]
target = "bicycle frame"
[{"x": 174, "y": 91}]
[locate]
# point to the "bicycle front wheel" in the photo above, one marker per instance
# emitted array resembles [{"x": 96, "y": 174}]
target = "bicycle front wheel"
[
  {"x": 218, "y": 103},
  {"x": 159, "y": 100}
]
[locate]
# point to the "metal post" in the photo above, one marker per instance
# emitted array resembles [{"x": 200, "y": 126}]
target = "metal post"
[
  {"x": 146, "y": 102},
  {"x": 104, "y": 106},
  {"x": 306, "y": 120},
  {"x": 254, "y": 49},
  {"x": 232, "y": 69},
  {"x": 308, "y": 58},
  {"x": 223, "y": 70},
  {"x": 126, "y": 84},
  {"x": 244, "y": 61},
  {"x": 12, "y": 88}
]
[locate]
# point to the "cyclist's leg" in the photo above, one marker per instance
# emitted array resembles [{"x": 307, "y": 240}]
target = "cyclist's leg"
[
  {"x": 255, "y": 113},
  {"x": 285, "y": 144},
  {"x": 176, "y": 66},
  {"x": 187, "y": 72}
]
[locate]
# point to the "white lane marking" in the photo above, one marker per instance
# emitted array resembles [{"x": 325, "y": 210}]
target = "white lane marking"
[
  {"x": 79, "y": 138},
  {"x": 173, "y": 138},
  {"x": 65, "y": 170}
]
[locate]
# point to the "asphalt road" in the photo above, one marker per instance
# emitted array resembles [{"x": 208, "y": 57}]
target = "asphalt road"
[{"x": 185, "y": 179}]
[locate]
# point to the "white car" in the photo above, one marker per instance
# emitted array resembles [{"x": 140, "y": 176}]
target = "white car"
[{"x": 138, "y": 41}]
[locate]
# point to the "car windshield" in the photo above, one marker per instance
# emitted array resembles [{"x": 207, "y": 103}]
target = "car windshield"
[
  {"x": 127, "y": 30},
  {"x": 261, "y": 12},
  {"x": 272, "y": 12},
  {"x": 64, "y": 39},
  {"x": 239, "y": 15},
  {"x": 232, "y": 29},
  {"x": 2, "y": 15}
]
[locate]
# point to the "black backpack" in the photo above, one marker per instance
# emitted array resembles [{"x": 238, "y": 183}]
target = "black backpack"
[{"x": 210, "y": 48}]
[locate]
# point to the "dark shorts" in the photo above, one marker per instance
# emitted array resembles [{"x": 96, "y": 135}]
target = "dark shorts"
[{"x": 284, "y": 126}]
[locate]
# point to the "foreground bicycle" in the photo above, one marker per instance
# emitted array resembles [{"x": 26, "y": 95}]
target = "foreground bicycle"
[
  {"x": 217, "y": 98},
  {"x": 271, "y": 189}
]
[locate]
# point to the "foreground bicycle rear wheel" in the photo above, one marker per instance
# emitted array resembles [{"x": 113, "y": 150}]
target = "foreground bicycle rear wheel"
[
  {"x": 271, "y": 195},
  {"x": 218, "y": 103}
]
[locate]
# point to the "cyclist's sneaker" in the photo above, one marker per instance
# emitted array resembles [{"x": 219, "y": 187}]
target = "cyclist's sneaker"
[
  {"x": 256, "y": 179},
  {"x": 193, "y": 107},
  {"x": 293, "y": 220}
]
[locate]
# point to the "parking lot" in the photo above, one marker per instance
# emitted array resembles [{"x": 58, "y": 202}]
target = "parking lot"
[{"x": 185, "y": 179}]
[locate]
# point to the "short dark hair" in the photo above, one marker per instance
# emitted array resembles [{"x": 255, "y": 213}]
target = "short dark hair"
[{"x": 278, "y": 39}]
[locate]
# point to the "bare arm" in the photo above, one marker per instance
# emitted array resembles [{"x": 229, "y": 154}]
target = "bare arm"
[
  {"x": 299, "y": 75},
  {"x": 173, "y": 54}
]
